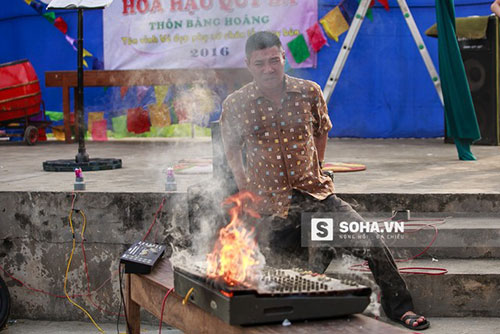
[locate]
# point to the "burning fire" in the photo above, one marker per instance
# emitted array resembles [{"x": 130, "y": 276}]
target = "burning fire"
[{"x": 235, "y": 255}]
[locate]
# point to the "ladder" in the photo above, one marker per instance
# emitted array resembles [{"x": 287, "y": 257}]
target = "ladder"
[{"x": 351, "y": 36}]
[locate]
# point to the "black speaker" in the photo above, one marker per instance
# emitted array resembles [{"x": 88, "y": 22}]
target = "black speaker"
[{"x": 481, "y": 61}]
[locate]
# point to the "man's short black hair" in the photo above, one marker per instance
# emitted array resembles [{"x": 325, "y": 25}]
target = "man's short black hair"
[{"x": 261, "y": 40}]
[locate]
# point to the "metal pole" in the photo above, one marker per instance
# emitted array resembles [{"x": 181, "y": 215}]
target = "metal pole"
[{"x": 82, "y": 155}]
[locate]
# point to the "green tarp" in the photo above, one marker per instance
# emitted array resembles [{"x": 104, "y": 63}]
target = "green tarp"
[{"x": 461, "y": 122}]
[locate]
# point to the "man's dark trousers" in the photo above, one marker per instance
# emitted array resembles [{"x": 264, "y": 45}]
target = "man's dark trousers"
[{"x": 283, "y": 242}]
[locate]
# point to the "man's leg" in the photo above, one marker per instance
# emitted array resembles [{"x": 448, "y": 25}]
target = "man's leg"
[{"x": 396, "y": 299}]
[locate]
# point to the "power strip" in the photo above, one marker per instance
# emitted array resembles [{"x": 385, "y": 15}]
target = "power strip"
[{"x": 141, "y": 257}]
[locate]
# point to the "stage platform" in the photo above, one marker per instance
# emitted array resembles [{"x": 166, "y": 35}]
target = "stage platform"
[{"x": 412, "y": 166}]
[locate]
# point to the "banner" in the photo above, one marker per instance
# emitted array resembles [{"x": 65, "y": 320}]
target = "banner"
[{"x": 168, "y": 34}]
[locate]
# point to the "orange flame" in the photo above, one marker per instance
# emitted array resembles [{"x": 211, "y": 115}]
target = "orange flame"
[{"x": 235, "y": 254}]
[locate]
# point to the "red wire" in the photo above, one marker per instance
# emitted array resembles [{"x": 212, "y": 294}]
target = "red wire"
[
  {"x": 408, "y": 270},
  {"x": 88, "y": 294},
  {"x": 154, "y": 220},
  {"x": 163, "y": 308}
]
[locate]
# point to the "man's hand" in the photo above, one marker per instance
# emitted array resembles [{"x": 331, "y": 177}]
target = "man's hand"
[{"x": 495, "y": 7}]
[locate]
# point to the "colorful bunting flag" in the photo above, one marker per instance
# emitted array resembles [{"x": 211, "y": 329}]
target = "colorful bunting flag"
[
  {"x": 71, "y": 41},
  {"x": 94, "y": 117},
  {"x": 159, "y": 115},
  {"x": 369, "y": 12},
  {"x": 316, "y": 37},
  {"x": 36, "y": 6},
  {"x": 50, "y": 16},
  {"x": 123, "y": 91},
  {"x": 298, "y": 48},
  {"x": 137, "y": 120},
  {"x": 99, "y": 130},
  {"x": 97, "y": 64},
  {"x": 119, "y": 126},
  {"x": 160, "y": 93},
  {"x": 181, "y": 113},
  {"x": 60, "y": 24},
  {"x": 384, "y": 3},
  {"x": 349, "y": 8},
  {"x": 141, "y": 92},
  {"x": 86, "y": 53},
  {"x": 334, "y": 24}
]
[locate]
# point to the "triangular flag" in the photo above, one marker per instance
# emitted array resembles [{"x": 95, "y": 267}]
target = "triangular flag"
[
  {"x": 86, "y": 53},
  {"x": 316, "y": 37},
  {"x": 349, "y": 8},
  {"x": 60, "y": 24},
  {"x": 50, "y": 16},
  {"x": 85, "y": 63},
  {"x": 298, "y": 49},
  {"x": 334, "y": 24},
  {"x": 384, "y": 3},
  {"x": 160, "y": 93},
  {"x": 28, "y": 2},
  {"x": 97, "y": 64},
  {"x": 369, "y": 13},
  {"x": 71, "y": 41},
  {"x": 123, "y": 91},
  {"x": 141, "y": 92},
  {"x": 36, "y": 6}
]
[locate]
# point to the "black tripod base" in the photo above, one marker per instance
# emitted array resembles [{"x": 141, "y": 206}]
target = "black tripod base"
[{"x": 68, "y": 165}]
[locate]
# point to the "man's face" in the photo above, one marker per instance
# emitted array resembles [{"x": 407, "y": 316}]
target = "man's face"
[{"x": 267, "y": 67}]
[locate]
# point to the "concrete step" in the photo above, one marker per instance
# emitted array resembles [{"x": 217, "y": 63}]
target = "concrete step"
[
  {"x": 470, "y": 288},
  {"x": 457, "y": 235}
]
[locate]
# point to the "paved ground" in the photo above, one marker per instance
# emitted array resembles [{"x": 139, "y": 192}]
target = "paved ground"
[
  {"x": 393, "y": 166},
  {"x": 439, "y": 326}
]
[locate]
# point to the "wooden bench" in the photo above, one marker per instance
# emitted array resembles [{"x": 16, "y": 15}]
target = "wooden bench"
[
  {"x": 233, "y": 78},
  {"x": 148, "y": 291}
]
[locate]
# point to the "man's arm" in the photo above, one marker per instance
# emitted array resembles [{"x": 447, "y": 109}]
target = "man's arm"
[
  {"x": 231, "y": 132},
  {"x": 320, "y": 142},
  {"x": 495, "y": 7}
]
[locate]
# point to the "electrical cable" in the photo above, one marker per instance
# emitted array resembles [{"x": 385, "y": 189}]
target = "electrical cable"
[
  {"x": 411, "y": 270},
  {"x": 71, "y": 258},
  {"x": 185, "y": 300},
  {"x": 89, "y": 293},
  {"x": 120, "y": 276},
  {"x": 154, "y": 220},
  {"x": 163, "y": 308}
]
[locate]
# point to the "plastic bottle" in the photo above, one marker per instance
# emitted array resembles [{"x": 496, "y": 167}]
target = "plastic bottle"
[
  {"x": 170, "y": 184},
  {"x": 79, "y": 181}
]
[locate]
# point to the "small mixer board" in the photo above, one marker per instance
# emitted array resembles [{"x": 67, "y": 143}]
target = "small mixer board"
[{"x": 141, "y": 257}]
